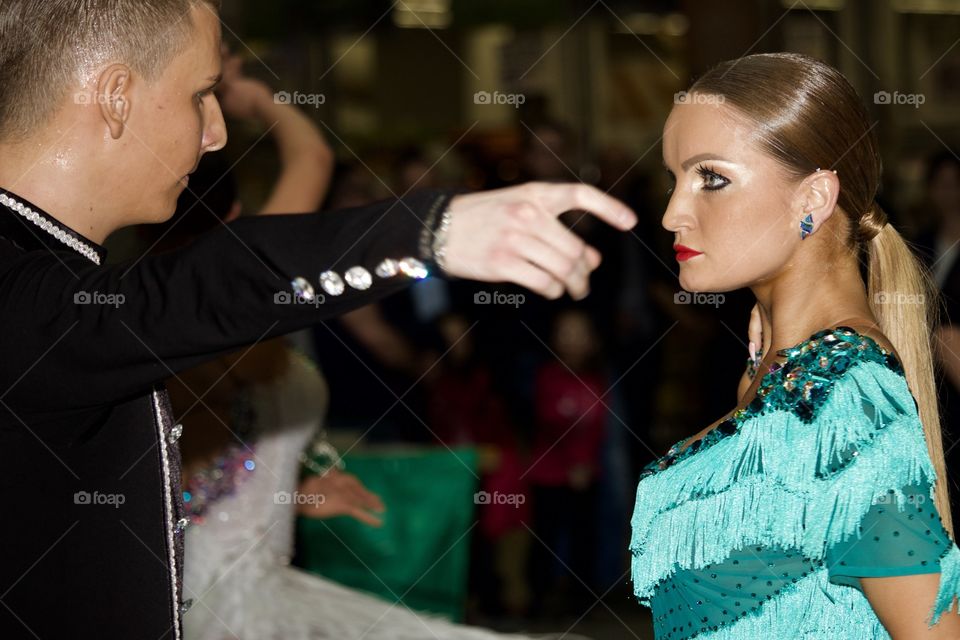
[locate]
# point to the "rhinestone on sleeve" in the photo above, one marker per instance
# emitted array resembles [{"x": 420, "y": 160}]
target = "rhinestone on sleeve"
[{"x": 332, "y": 283}]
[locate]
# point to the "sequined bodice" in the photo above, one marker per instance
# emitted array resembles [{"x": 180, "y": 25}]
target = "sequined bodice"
[
  {"x": 800, "y": 385},
  {"x": 229, "y": 469},
  {"x": 248, "y": 511}
]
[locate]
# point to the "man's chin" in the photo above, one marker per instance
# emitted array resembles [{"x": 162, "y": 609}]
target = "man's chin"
[{"x": 165, "y": 212}]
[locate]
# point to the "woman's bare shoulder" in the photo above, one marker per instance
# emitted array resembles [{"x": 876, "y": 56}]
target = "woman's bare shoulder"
[{"x": 875, "y": 333}]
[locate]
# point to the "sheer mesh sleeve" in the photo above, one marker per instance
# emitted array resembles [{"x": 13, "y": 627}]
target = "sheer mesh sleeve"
[{"x": 900, "y": 535}]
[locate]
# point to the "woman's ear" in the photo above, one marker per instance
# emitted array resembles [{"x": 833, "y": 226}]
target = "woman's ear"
[
  {"x": 817, "y": 197},
  {"x": 113, "y": 97}
]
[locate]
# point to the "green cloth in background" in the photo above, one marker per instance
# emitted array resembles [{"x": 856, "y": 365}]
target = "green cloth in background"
[{"x": 421, "y": 553}]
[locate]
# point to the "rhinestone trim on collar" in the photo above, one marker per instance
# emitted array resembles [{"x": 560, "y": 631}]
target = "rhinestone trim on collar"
[{"x": 77, "y": 245}]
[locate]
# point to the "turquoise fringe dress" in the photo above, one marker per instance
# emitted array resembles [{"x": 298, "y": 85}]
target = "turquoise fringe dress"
[{"x": 762, "y": 528}]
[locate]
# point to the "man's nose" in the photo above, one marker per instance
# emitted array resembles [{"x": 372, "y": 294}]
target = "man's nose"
[{"x": 215, "y": 128}]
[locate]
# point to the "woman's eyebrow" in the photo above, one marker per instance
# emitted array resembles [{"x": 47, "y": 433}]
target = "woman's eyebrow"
[{"x": 699, "y": 158}]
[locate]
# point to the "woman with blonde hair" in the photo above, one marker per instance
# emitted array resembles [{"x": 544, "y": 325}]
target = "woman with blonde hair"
[{"x": 818, "y": 507}]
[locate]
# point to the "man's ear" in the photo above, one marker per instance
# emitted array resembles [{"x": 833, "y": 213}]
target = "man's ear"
[
  {"x": 817, "y": 196},
  {"x": 113, "y": 97}
]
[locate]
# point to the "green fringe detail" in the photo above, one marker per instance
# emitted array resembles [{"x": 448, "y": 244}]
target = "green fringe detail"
[{"x": 760, "y": 485}]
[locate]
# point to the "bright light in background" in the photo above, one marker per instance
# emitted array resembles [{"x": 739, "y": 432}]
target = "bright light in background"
[
  {"x": 814, "y": 5},
  {"x": 926, "y": 6},
  {"x": 651, "y": 24},
  {"x": 423, "y": 14}
]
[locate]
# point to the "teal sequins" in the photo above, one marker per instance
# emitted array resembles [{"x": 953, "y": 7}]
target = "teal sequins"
[{"x": 801, "y": 385}]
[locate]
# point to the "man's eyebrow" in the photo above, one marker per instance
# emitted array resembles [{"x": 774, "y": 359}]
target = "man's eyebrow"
[{"x": 215, "y": 80}]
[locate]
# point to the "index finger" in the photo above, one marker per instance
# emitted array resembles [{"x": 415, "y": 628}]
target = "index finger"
[{"x": 558, "y": 198}]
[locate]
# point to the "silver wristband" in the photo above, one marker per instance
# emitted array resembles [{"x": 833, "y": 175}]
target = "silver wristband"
[
  {"x": 326, "y": 452},
  {"x": 439, "y": 245}
]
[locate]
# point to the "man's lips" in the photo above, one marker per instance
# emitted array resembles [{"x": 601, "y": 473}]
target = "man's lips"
[{"x": 186, "y": 179}]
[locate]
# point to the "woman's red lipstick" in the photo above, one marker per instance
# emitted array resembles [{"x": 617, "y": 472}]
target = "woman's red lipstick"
[{"x": 685, "y": 253}]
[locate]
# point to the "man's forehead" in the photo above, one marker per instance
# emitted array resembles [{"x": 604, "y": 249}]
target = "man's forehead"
[
  {"x": 217, "y": 49},
  {"x": 215, "y": 64},
  {"x": 208, "y": 52},
  {"x": 206, "y": 23}
]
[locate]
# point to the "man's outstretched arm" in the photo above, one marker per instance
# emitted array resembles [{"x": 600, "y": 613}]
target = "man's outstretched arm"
[{"x": 260, "y": 277}]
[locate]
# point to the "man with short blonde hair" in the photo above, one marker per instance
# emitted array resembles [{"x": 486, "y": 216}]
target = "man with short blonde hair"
[{"x": 107, "y": 107}]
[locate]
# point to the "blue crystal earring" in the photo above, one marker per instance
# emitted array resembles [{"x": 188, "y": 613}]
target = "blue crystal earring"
[{"x": 806, "y": 226}]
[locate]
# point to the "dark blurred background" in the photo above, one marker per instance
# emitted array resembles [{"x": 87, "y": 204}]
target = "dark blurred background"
[{"x": 485, "y": 93}]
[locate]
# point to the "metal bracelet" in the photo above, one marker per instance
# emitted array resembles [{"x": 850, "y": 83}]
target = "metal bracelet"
[
  {"x": 326, "y": 451},
  {"x": 439, "y": 245}
]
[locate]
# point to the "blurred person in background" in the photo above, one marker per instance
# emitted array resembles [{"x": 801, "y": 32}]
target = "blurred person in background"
[
  {"x": 247, "y": 418},
  {"x": 571, "y": 416},
  {"x": 383, "y": 349},
  {"x": 466, "y": 409}
]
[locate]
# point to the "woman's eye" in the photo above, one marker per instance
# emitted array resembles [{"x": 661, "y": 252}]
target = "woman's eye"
[{"x": 712, "y": 181}]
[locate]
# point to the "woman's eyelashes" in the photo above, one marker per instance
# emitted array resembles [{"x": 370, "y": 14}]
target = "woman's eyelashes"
[{"x": 712, "y": 181}]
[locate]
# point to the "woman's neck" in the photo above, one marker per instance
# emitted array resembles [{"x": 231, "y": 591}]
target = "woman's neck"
[{"x": 800, "y": 303}]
